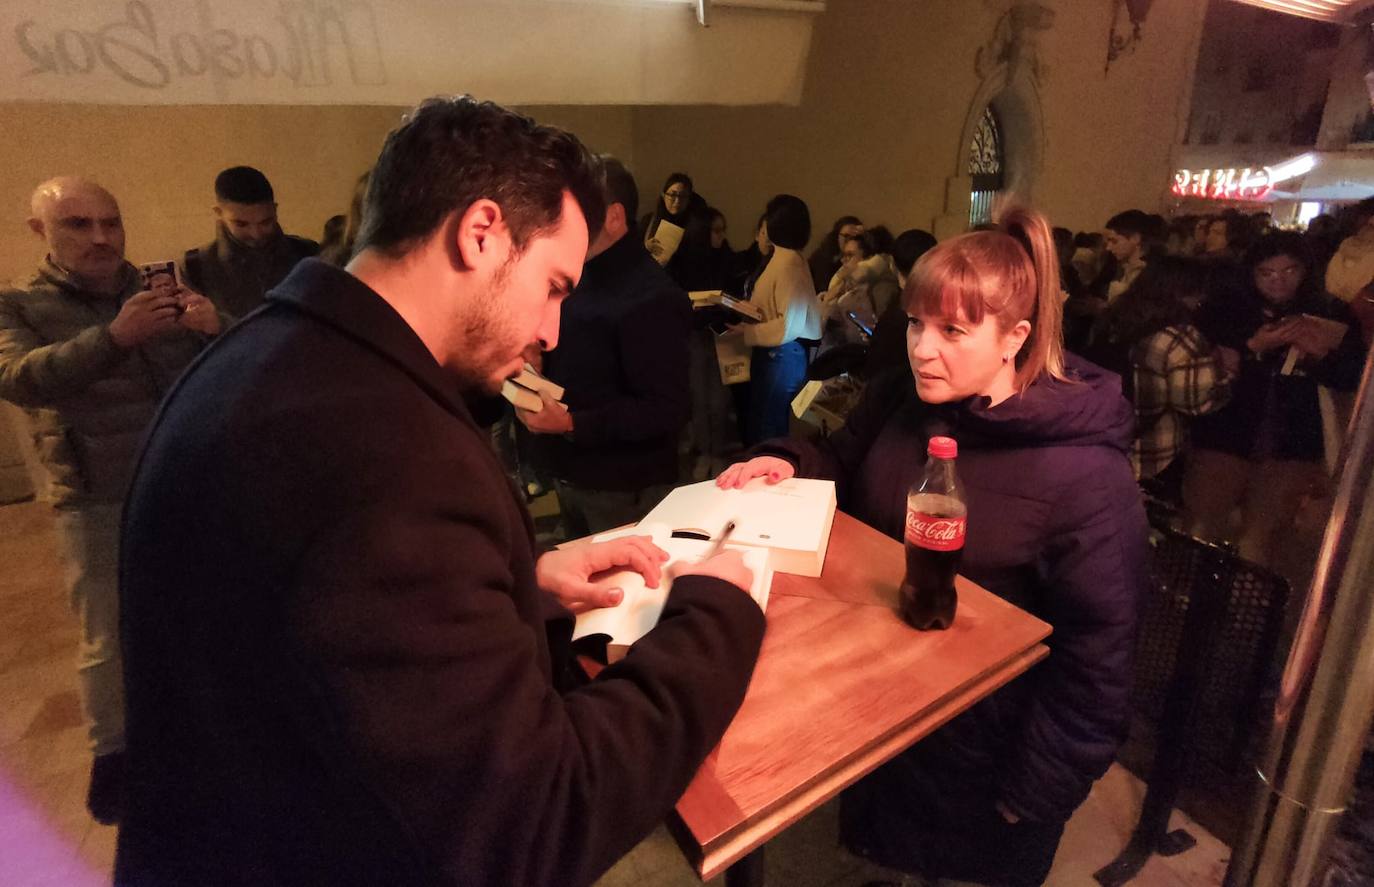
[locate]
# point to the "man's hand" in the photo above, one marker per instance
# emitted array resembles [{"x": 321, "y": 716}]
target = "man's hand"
[
  {"x": 566, "y": 573},
  {"x": 554, "y": 418},
  {"x": 144, "y": 316},
  {"x": 198, "y": 313},
  {"x": 728, "y": 565}
]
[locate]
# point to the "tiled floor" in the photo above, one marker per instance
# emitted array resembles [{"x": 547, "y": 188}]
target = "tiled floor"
[{"x": 47, "y": 838}]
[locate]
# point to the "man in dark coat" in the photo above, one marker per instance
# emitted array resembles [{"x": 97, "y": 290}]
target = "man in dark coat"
[
  {"x": 337, "y": 658},
  {"x": 250, "y": 253},
  {"x": 613, "y": 449}
]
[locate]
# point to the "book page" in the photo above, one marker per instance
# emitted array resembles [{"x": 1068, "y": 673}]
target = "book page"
[
  {"x": 640, "y": 608},
  {"x": 521, "y": 397},
  {"x": 669, "y": 237}
]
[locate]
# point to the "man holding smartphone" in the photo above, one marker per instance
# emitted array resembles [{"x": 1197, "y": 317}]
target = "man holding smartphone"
[{"x": 87, "y": 349}]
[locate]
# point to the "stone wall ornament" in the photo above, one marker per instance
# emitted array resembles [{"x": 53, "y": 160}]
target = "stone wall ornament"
[
  {"x": 1013, "y": 49},
  {"x": 1123, "y": 37}
]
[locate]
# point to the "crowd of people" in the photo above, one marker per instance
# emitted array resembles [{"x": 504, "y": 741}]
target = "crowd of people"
[{"x": 323, "y": 646}]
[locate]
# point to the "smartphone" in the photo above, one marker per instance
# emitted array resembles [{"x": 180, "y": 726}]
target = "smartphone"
[{"x": 159, "y": 275}]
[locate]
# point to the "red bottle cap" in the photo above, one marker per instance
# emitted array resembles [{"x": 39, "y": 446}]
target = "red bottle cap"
[{"x": 943, "y": 447}]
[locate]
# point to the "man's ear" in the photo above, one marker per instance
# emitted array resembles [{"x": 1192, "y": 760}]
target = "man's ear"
[
  {"x": 616, "y": 220},
  {"x": 481, "y": 237},
  {"x": 36, "y": 226},
  {"x": 219, "y": 211}
]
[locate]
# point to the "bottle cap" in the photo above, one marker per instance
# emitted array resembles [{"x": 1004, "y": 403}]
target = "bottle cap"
[{"x": 943, "y": 447}]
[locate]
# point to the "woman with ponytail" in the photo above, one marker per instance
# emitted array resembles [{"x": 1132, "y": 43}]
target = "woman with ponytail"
[{"x": 1055, "y": 526}]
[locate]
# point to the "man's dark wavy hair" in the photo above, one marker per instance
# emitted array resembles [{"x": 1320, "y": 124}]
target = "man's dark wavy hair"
[{"x": 451, "y": 152}]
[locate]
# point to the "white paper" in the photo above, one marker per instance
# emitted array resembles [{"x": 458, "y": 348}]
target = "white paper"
[
  {"x": 792, "y": 518},
  {"x": 640, "y": 608}
]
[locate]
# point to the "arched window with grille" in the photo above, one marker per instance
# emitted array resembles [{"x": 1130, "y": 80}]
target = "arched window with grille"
[{"x": 985, "y": 166}]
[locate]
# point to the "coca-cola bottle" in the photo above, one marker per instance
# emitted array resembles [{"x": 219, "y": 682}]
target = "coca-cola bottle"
[{"x": 935, "y": 520}]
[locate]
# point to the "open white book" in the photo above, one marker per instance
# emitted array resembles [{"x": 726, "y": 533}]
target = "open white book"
[
  {"x": 640, "y": 608},
  {"x": 791, "y": 519}
]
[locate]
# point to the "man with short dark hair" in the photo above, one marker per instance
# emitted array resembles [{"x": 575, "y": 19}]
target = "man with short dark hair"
[
  {"x": 339, "y": 666},
  {"x": 611, "y": 445},
  {"x": 88, "y": 351},
  {"x": 1127, "y": 239},
  {"x": 250, "y": 254}
]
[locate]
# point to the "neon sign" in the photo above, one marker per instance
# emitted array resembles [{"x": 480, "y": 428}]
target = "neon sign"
[{"x": 1247, "y": 183}]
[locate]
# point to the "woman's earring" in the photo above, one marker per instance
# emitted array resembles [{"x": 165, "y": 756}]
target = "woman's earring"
[{"x": 1006, "y": 358}]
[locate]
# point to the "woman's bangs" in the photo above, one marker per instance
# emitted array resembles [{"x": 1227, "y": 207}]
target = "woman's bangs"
[{"x": 946, "y": 284}]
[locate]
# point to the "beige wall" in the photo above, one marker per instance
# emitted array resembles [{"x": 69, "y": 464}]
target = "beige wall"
[
  {"x": 889, "y": 87},
  {"x": 160, "y": 162}
]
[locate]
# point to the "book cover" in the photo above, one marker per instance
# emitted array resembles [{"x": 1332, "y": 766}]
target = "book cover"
[{"x": 791, "y": 519}]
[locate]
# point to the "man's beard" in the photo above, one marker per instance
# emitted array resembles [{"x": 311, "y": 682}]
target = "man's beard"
[{"x": 488, "y": 338}]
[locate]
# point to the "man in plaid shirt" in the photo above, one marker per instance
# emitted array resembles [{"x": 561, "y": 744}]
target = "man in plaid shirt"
[{"x": 1177, "y": 375}]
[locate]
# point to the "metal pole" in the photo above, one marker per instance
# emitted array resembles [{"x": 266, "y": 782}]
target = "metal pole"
[{"x": 1326, "y": 697}]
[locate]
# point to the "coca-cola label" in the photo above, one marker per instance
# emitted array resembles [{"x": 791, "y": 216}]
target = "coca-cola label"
[{"x": 935, "y": 533}]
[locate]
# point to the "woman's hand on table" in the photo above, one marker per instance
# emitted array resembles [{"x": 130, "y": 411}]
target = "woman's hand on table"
[
  {"x": 771, "y": 468},
  {"x": 566, "y": 572}
]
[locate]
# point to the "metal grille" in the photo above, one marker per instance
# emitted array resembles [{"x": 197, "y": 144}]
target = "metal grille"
[
  {"x": 1239, "y": 650},
  {"x": 985, "y": 164}
]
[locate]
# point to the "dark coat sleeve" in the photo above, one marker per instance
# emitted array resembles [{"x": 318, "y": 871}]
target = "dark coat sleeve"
[
  {"x": 653, "y": 342},
  {"x": 838, "y": 456},
  {"x": 412, "y": 610},
  {"x": 1094, "y": 571}
]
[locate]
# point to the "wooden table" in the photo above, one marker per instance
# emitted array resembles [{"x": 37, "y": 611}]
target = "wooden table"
[{"x": 842, "y": 685}]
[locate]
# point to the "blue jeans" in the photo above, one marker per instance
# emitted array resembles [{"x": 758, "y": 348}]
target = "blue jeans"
[{"x": 775, "y": 377}]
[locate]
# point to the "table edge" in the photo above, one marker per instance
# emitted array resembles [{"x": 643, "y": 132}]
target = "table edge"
[{"x": 709, "y": 861}]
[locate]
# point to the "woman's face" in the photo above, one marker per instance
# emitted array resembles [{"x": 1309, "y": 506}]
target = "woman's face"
[
  {"x": 675, "y": 197},
  {"x": 1278, "y": 277},
  {"x": 953, "y": 358},
  {"x": 848, "y": 233},
  {"x": 761, "y": 238},
  {"x": 717, "y": 232},
  {"x": 1216, "y": 237}
]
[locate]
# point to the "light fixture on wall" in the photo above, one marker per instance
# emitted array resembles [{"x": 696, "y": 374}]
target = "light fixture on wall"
[
  {"x": 1123, "y": 40},
  {"x": 1320, "y": 10}
]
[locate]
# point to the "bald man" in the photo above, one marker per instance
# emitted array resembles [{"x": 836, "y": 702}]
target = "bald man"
[{"x": 88, "y": 354}]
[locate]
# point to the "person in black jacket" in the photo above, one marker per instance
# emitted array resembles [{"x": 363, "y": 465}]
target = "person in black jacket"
[
  {"x": 339, "y": 669},
  {"x": 611, "y": 446},
  {"x": 250, "y": 253},
  {"x": 1055, "y": 526},
  {"x": 1265, "y": 448}
]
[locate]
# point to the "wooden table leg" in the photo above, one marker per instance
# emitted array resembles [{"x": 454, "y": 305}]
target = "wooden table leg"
[{"x": 748, "y": 872}]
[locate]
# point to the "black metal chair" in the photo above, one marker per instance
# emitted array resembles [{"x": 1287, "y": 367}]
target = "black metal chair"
[{"x": 1208, "y": 632}]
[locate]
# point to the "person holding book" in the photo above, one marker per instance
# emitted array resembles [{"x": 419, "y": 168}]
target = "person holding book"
[
  {"x": 1265, "y": 449},
  {"x": 678, "y": 233},
  {"x": 611, "y": 446},
  {"x": 791, "y": 312},
  {"x": 340, "y": 658},
  {"x": 1055, "y": 526}
]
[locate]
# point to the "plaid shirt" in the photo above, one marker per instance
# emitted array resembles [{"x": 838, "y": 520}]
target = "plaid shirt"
[{"x": 1177, "y": 375}]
